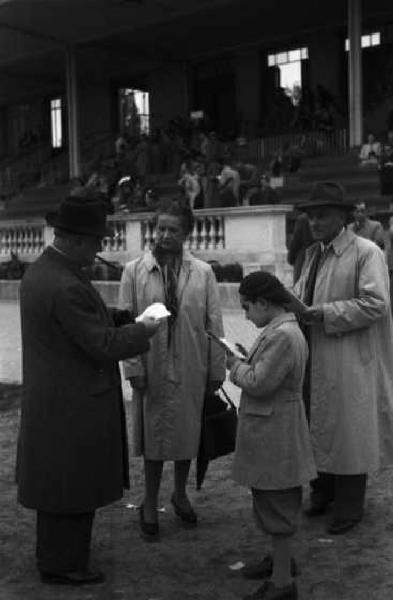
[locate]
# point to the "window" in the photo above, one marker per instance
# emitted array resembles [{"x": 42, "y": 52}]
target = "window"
[
  {"x": 134, "y": 111},
  {"x": 56, "y": 113},
  {"x": 370, "y": 39},
  {"x": 282, "y": 58},
  {"x": 289, "y": 64}
]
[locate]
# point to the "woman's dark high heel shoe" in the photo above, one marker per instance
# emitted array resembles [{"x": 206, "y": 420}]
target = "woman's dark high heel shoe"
[
  {"x": 188, "y": 517},
  {"x": 150, "y": 531}
]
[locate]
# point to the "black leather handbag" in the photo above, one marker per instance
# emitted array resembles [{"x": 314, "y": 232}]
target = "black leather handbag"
[{"x": 218, "y": 432}]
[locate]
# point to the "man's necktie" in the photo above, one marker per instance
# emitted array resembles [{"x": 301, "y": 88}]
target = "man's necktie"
[
  {"x": 171, "y": 298},
  {"x": 312, "y": 276},
  {"x": 308, "y": 300}
]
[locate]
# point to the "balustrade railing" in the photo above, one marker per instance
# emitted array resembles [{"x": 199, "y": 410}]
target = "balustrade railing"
[
  {"x": 117, "y": 241},
  {"x": 310, "y": 143},
  {"x": 22, "y": 240},
  {"x": 208, "y": 233},
  {"x": 253, "y": 235}
]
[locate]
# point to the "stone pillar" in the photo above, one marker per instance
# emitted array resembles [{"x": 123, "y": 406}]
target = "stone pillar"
[
  {"x": 72, "y": 113},
  {"x": 247, "y": 65},
  {"x": 133, "y": 238},
  {"x": 355, "y": 73}
]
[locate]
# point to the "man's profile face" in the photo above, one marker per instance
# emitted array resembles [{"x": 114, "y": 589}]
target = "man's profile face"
[
  {"x": 326, "y": 223},
  {"x": 87, "y": 249}
]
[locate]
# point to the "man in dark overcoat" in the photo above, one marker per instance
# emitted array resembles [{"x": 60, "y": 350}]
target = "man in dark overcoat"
[{"x": 72, "y": 447}]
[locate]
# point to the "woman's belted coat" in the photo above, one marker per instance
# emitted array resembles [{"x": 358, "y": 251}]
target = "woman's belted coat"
[{"x": 167, "y": 417}]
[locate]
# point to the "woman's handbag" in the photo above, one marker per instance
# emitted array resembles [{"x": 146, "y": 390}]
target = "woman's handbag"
[{"x": 218, "y": 432}]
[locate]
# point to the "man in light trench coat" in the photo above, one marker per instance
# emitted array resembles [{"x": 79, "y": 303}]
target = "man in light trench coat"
[{"x": 349, "y": 386}]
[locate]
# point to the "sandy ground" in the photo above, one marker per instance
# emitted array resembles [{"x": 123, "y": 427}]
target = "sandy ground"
[{"x": 194, "y": 565}]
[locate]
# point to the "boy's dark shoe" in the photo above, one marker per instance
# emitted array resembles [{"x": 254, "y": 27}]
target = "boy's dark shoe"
[
  {"x": 268, "y": 591},
  {"x": 262, "y": 569},
  {"x": 75, "y": 578}
]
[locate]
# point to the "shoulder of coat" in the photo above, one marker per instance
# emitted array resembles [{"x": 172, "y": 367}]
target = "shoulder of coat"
[
  {"x": 133, "y": 264},
  {"x": 199, "y": 264},
  {"x": 367, "y": 246}
]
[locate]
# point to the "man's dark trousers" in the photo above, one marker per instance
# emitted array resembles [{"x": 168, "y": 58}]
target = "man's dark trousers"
[
  {"x": 347, "y": 492},
  {"x": 63, "y": 542}
]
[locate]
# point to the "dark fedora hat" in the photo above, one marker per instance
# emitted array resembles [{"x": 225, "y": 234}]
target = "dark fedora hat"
[
  {"x": 326, "y": 193},
  {"x": 81, "y": 214}
]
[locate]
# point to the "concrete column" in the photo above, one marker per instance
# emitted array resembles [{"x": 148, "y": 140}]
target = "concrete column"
[
  {"x": 355, "y": 73},
  {"x": 72, "y": 113},
  {"x": 247, "y": 66}
]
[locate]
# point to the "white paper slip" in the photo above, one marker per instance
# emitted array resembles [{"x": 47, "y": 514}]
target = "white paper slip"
[
  {"x": 237, "y": 566},
  {"x": 157, "y": 310},
  {"x": 224, "y": 343}
]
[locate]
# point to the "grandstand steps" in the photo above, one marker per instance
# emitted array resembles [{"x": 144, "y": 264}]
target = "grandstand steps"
[
  {"x": 34, "y": 202},
  {"x": 360, "y": 183}
]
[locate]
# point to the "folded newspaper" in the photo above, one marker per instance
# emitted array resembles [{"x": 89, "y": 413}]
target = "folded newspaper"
[{"x": 157, "y": 310}]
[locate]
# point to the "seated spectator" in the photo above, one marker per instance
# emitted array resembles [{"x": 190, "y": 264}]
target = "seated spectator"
[
  {"x": 151, "y": 199},
  {"x": 124, "y": 193},
  {"x": 370, "y": 152},
  {"x": 277, "y": 171},
  {"x": 387, "y": 150},
  {"x": 213, "y": 148},
  {"x": 277, "y": 166},
  {"x": 190, "y": 182},
  {"x": 203, "y": 144},
  {"x": 365, "y": 227},
  {"x": 264, "y": 194},
  {"x": 229, "y": 184},
  {"x": 120, "y": 146},
  {"x": 291, "y": 158},
  {"x": 249, "y": 181}
]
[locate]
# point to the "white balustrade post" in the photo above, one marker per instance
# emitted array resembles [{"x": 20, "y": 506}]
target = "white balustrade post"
[
  {"x": 48, "y": 235},
  {"x": 134, "y": 242}
]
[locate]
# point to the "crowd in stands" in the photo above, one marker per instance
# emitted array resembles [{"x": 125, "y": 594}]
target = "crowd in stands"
[
  {"x": 211, "y": 172},
  {"x": 377, "y": 154},
  {"x": 317, "y": 111}
]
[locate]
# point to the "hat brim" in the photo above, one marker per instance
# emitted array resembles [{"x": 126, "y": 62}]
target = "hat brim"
[
  {"x": 308, "y": 206},
  {"x": 53, "y": 219}
]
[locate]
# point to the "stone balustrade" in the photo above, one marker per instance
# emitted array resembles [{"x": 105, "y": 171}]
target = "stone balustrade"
[{"x": 254, "y": 236}]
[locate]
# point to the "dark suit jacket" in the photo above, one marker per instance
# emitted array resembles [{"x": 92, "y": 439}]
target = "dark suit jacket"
[{"x": 72, "y": 447}]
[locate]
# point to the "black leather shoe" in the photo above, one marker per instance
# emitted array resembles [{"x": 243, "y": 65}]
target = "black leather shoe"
[
  {"x": 150, "y": 531},
  {"x": 188, "y": 517},
  {"x": 268, "y": 591},
  {"x": 73, "y": 578},
  {"x": 338, "y": 526},
  {"x": 263, "y": 569}
]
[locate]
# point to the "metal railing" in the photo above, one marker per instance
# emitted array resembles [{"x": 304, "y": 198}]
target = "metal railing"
[{"x": 311, "y": 143}]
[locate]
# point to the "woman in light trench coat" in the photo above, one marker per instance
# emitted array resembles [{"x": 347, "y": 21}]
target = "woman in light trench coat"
[
  {"x": 351, "y": 346},
  {"x": 169, "y": 382}
]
